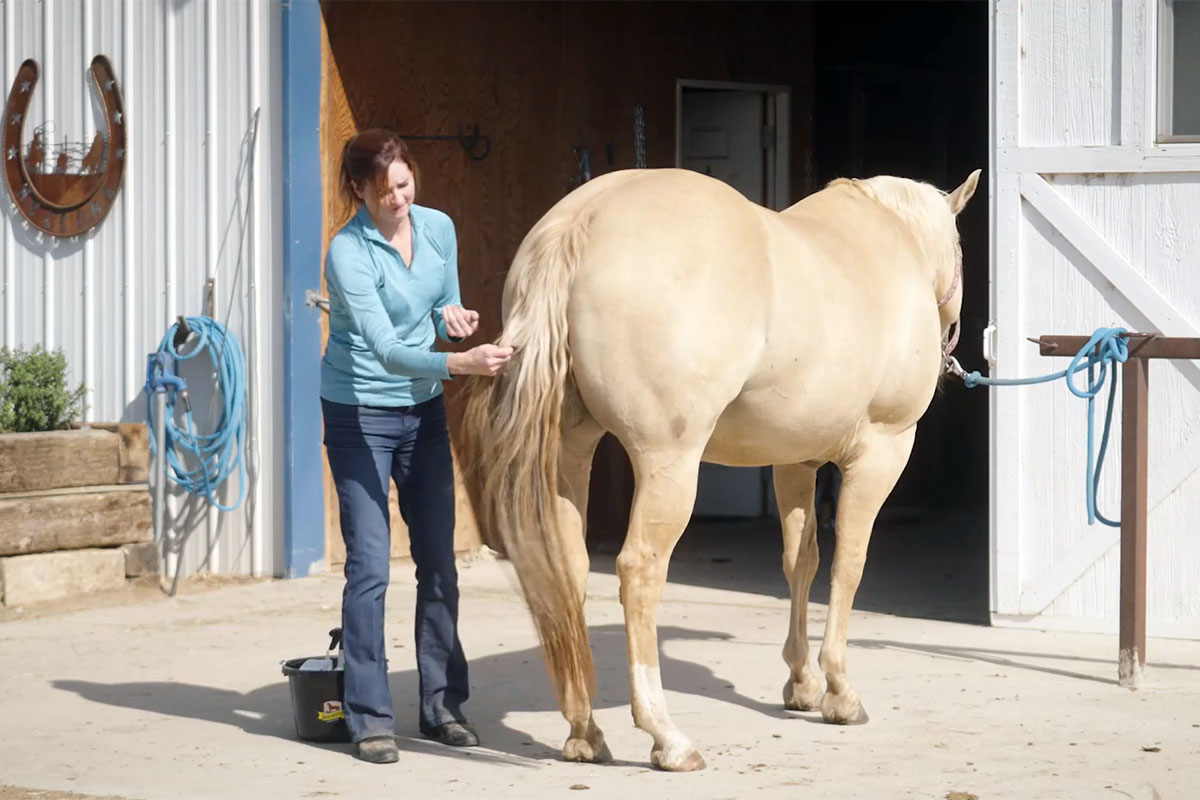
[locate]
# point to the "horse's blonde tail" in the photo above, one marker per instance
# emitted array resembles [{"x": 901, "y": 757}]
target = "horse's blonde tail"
[{"x": 511, "y": 433}]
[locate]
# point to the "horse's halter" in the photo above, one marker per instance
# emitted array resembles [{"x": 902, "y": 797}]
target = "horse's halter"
[{"x": 952, "y": 342}]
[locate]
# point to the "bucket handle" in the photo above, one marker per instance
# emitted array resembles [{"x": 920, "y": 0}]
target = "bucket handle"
[{"x": 335, "y": 641}]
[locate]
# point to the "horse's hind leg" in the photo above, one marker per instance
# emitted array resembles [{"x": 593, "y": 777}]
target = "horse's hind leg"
[
  {"x": 794, "y": 487},
  {"x": 580, "y": 436},
  {"x": 664, "y": 494},
  {"x": 868, "y": 477}
]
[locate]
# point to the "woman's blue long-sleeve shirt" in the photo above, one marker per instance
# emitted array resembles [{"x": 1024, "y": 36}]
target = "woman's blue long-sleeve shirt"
[{"x": 383, "y": 316}]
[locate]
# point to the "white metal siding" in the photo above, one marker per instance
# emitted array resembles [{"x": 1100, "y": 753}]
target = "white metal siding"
[
  {"x": 192, "y": 75},
  {"x": 1073, "y": 132}
]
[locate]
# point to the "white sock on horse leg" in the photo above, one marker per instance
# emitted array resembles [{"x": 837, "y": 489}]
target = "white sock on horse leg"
[{"x": 651, "y": 715}]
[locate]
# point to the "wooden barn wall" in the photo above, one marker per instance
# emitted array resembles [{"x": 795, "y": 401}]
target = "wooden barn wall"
[
  {"x": 338, "y": 124},
  {"x": 540, "y": 80}
]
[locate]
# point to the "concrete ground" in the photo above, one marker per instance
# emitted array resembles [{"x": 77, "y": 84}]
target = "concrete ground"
[{"x": 137, "y": 695}]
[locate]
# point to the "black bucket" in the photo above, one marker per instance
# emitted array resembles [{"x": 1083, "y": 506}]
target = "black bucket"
[{"x": 317, "y": 697}]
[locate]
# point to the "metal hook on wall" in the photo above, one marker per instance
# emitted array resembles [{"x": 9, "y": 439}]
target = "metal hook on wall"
[{"x": 476, "y": 145}]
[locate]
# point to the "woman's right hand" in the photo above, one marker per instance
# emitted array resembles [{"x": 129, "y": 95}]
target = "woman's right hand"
[{"x": 486, "y": 360}]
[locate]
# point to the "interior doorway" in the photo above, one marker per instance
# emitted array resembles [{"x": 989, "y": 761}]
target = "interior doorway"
[
  {"x": 738, "y": 134},
  {"x": 899, "y": 88}
]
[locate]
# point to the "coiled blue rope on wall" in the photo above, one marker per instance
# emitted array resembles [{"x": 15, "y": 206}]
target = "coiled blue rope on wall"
[
  {"x": 1107, "y": 346},
  {"x": 216, "y": 455}
]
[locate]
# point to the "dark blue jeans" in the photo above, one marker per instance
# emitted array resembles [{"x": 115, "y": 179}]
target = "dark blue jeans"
[{"x": 366, "y": 446}]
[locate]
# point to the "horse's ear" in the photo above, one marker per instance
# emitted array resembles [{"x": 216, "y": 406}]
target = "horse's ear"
[{"x": 959, "y": 197}]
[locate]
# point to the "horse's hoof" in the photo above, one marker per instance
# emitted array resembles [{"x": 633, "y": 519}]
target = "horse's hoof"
[
  {"x": 843, "y": 710},
  {"x": 800, "y": 696},
  {"x": 590, "y": 752},
  {"x": 684, "y": 761}
]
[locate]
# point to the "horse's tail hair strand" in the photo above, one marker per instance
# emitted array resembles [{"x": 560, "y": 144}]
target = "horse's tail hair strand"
[{"x": 511, "y": 440}]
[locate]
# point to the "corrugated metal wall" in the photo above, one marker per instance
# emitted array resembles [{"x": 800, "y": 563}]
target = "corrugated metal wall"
[{"x": 200, "y": 199}]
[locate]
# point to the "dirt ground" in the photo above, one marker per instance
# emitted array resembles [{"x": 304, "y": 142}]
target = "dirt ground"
[{"x": 142, "y": 696}]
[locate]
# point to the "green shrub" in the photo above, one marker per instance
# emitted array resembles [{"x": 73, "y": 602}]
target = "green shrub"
[{"x": 33, "y": 391}]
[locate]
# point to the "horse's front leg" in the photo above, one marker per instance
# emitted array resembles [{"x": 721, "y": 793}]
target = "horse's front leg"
[
  {"x": 868, "y": 478},
  {"x": 664, "y": 495}
]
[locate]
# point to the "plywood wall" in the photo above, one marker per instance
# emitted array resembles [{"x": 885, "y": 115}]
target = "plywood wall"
[{"x": 541, "y": 80}]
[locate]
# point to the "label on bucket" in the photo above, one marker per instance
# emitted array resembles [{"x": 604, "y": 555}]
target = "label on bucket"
[{"x": 332, "y": 710}]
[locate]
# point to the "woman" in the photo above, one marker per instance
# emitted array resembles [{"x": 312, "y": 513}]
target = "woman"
[{"x": 392, "y": 277}]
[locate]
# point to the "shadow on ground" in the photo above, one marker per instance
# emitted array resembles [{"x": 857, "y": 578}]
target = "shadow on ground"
[
  {"x": 930, "y": 568},
  {"x": 516, "y": 682},
  {"x": 918, "y": 565}
]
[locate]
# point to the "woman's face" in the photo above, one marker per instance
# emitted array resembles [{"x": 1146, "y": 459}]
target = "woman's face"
[{"x": 393, "y": 204}]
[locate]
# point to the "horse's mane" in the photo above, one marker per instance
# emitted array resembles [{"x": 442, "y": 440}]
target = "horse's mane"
[{"x": 923, "y": 209}]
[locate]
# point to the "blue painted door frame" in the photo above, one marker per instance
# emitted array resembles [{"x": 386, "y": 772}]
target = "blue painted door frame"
[{"x": 303, "y": 489}]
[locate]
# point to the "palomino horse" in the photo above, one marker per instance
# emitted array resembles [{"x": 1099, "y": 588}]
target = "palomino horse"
[{"x": 694, "y": 325}]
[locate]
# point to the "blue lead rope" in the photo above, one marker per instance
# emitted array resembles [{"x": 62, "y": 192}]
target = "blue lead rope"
[
  {"x": 218, "y": 454},
  {"x": 1107, "y": 346}
]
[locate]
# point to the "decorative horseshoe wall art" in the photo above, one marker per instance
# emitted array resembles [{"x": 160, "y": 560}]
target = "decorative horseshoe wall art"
[{"x": 75, "y": 194}]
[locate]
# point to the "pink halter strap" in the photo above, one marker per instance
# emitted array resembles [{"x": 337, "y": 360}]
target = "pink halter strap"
[
  {"x": 952, "y": 342},
  {"x": 949, "y": 295}
]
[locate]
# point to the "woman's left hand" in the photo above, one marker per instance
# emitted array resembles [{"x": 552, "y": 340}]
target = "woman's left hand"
[{"x": 460, "y": 322}]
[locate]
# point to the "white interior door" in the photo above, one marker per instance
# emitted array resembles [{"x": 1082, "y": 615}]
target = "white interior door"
[{"x": 723, "y": 137}]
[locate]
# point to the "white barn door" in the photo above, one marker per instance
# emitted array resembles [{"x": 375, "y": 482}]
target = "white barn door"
[{"x": 1094, "y": 205}]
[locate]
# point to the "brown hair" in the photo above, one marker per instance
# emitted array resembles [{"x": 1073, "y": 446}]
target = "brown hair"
[{"x": 366, "y": 157}]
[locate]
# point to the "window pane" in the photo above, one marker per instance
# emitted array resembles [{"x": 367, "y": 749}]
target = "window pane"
[{"x": 1185, "y": 90}]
